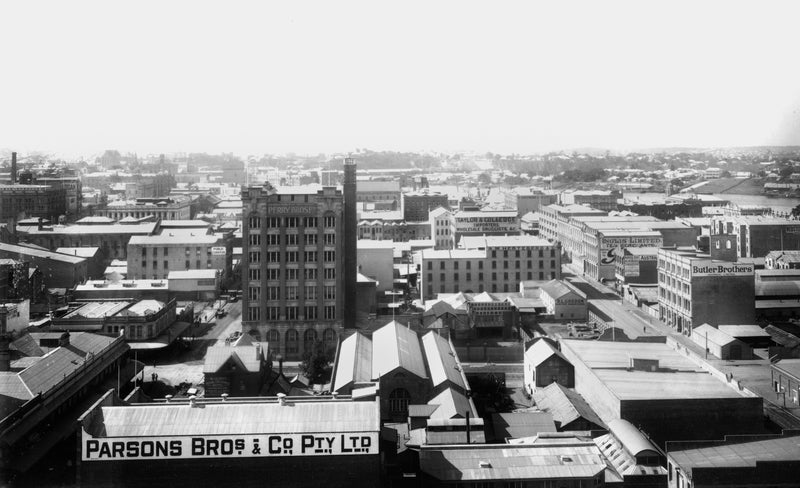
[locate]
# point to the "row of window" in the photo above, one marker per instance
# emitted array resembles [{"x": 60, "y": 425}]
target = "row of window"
[
  {"x": 292, "y": 274},
  {"x": 310, "y": 312},
  {"x": 291, "y": 222},
  {"x": 292, "y": 338},
  {"x": 291, "y": 239},
  {"x": 468, "y": 264},
  {"x": 187, "y": 264},
  {"x": 291, "y": 292},
  {"x": 254, "y": 257},
  {"x": 468, "y": 277},
  {"x": 188, "y": 251}
]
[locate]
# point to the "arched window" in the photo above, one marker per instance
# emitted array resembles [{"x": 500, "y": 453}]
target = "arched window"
[
  {"x": 292, "y": 338},
  {"x": 309, "y": 336},
  {"x": 329, "y": 336},
  {"x": 398, "y": 402},
  {"x": 255, "y": 334},
  {"x": 273, "y": 337}
]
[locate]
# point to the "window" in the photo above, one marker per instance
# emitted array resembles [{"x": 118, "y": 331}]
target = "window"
[
  {"x": 309, "y": 338},
  {"x": 399, "y": 399},
  {"x": 455, "y": 264},
  {"x": 274, "y": 222},
  {"x": 311, "y": 239},
  {"x": 291, "y": 293},
  {"x": 273, "y": 313},
  {"x": 442, "y": 277},
  {"x": 254, "y": 256},
  {"x": 291, "y": 256},
  {"x": 480, "y": 264},
  {"x": 330, "y": 274},
  {"x": 291, "y": 239},
  {"x": 430, "y": 265},
  {"x": 441, "y": 264},
  {"x": 310, "y": 293},
  {"x": 310, "y": 312},
  {"x": 469, "y": 264},
  {"x": 291, "y": 222},
  {"x": 273, "y": 239},
  {"x": 469, "y": 276},
  {"x": 291, "y": 341},
  {"x": 330, "y": 312},
  {"x": 166, "y": 251},
  {"x": 273, "y": 274},
  {"x": 291, "y": 313},
  {"x": 330, "y": 292},
  {"x": 430, "y": 277},
  {"x": 291, "y": 273},
  {"x": 505, "y": 264},
  {"x": 254, "y": 274},
  {"x": 455, "y": 277},
  {"x": 155, "y": 252},
  {"x": 310, "y": 256},
  {"x": 255, "y": 239},
  {"x": 273, "y": 293},
  {"x": 255, "y": 222},
  {"x": 330, "y": 256},
  {"x": 329, "y": 221},
  {"x": 310, "y": 274},
  {"x": 494, "y": 276},
  {"x": 254, "y": 313},
  {"x": 480, "y": 276},
  {"x": 274, "y": 337},
  {"x": 166, "y": 264},
  {"x": 494, "y": 264},
  {"x": 330, "y": 239},
  {"x": 144, "y": 252},
  {"x": 186, "y": 264},
  {"x": 310, "y": 221},
  {"x": 255, "y": 293}
]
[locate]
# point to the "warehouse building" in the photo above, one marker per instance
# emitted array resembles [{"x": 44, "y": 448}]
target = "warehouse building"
[
  {"x": 410, "y": 370},
  {"x": 288, "y": 442},
  {"x": 661, "y": 391}
]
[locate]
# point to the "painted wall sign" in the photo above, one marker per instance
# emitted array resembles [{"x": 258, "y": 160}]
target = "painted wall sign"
[
  {"x": 722, "y": 269},
  {"x": 218, "y": 251},
  {"x": 228, "y": 446}
]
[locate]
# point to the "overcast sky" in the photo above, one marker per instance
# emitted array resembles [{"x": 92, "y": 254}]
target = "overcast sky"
[{"x": 307, "y": 77}]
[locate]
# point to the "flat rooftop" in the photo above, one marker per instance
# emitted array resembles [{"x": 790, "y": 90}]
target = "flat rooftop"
[
  {"x": 677, "y": 377},
  {"x": 736, "y": 453}
]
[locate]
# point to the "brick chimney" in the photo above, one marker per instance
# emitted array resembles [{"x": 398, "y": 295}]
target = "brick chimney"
[
  {"x": 5, "y": 341},
  {"x": 350, "y": 229},
  {"x": 13, "y": 168}
]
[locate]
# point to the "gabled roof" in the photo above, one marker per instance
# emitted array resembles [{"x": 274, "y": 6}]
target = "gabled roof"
[
  {"x": 51, "y": 370},
  {"x": 354, "y": 362},
  {"x": 247, "y": 357},
  {"x": 452, "y": 404},
  {"x": 565, "y": 404},
  {"x": 397, "y": 346},
  {"x": 542, "y": 350},
  {"x": 442, "y": 361}
]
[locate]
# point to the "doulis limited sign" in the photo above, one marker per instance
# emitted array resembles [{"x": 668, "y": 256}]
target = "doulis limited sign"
[{"x": 238, "y": 446}]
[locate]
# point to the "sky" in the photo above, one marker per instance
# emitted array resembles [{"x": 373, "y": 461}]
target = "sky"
[{"x": 310, "y": 77}]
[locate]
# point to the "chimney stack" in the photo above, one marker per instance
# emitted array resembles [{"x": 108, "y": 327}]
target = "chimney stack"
[
  {"x": 350, "y": 243},
  {"x": 5, "y": 341},
  {"x": 13, "y": 168}
]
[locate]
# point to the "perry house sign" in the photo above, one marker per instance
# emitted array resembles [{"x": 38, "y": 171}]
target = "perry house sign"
[{"x": 228, "y": 446}]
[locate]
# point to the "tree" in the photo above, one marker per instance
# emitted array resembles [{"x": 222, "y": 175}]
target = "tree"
[{"x": 316, "y": 364}]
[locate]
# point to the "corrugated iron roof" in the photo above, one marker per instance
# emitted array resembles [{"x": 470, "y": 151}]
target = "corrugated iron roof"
[
  {"x": 566, "y": 405},
  {"x": 397, "y": 346},
  {"x": 451, "y": 404},
  {"x": 354, "y": 362},
  {"x": 501, "y": 462},
  {"x": 239, "y": 418},
  {"x": 442, "y": 361}
]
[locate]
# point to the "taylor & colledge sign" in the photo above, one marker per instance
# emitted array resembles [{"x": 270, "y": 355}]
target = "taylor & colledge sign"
[{"x": 228, "y": 446}]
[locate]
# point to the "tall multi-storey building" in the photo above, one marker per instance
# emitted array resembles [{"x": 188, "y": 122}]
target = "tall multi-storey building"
[
  {"x": 416, "y": 205},
  {"x": 295, "y": 264},
  {"x": 73, "y": 190},
  {"x": 23, "y": 201},
  {"x": 752, "y": 237},
  {"x": 694, "y": 289},
  {"x": 153, "y": 257}
]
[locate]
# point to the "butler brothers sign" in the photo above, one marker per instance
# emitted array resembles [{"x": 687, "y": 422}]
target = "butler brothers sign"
[{"x": 722, "y": 269}]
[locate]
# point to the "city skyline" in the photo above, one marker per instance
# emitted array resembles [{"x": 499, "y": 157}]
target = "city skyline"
[{"x": 318, "y": 78}]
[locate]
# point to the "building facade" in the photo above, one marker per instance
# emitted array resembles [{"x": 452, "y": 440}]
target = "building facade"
[
  {"x": 24, "y": 201},
  {"x": 173, "y": 208},
  {"x": 416, "y": 205},
  {"x": 493, "y": 264},
  {"x": 154, "y": 257},
  {"x": 694, "y": 289},
  {"x": 292, "y": 266}
]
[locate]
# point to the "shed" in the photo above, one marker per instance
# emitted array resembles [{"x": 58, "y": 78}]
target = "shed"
[
  {"x": 544, "y": 364},
  {"x": 720, "y": 344}
]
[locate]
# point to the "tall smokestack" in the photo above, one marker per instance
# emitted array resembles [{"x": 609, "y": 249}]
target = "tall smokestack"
[
  {"x": 350, "y": 239},
  {"x": 5, "y": 341},
  {"x": 13, "y": 168}
]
